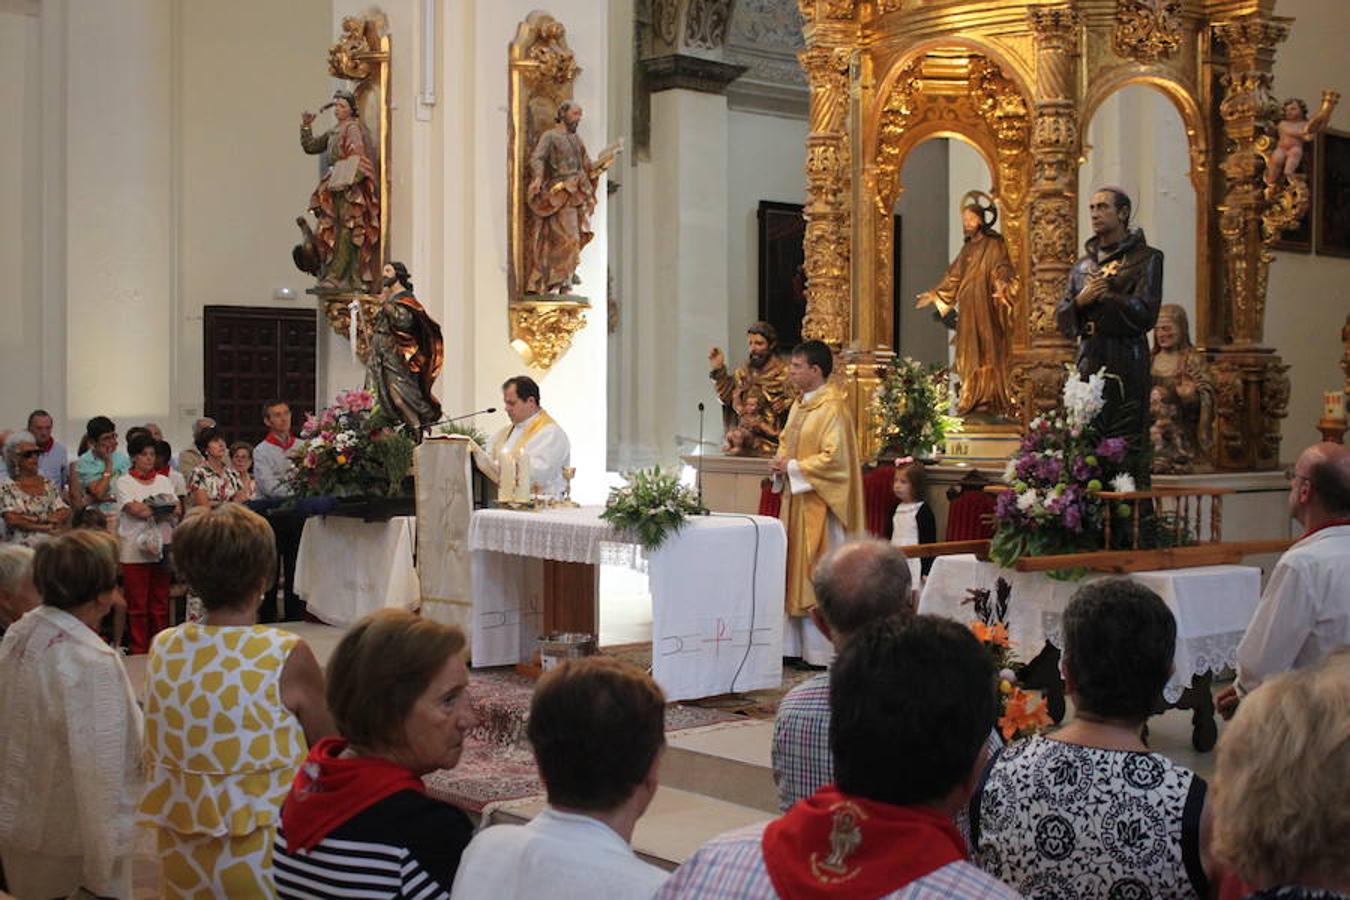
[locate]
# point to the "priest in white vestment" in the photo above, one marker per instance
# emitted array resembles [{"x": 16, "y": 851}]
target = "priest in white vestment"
[{"x": 534, "y": 432}]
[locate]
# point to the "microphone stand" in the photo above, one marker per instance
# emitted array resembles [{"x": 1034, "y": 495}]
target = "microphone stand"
[
  {"x": 699, "y": 479},
  {"x": 426, "y": 429}
]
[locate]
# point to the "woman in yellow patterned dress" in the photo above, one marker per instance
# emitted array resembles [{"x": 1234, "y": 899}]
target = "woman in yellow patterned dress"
[{"x": 230, "y": 709}]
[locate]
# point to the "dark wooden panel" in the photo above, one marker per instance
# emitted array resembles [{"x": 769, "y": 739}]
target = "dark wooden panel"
[{"x": 254, "y": 354}]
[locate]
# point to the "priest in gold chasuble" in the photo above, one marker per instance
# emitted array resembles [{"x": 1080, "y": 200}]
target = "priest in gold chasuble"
[{"x": 818, "y": 472}]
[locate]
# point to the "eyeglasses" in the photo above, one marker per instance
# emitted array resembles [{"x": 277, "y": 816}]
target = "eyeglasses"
[
  {"x": 1292, "y": 475},
  {"x": 28, "y": 454}
]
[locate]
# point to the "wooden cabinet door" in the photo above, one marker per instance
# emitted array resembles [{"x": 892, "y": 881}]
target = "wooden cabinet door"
[{"x": 255, "y": 354}]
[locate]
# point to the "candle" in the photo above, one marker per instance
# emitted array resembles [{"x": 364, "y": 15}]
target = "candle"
[
  {"x": 506, "y": 481},
  {"x": 1333, "y": 406},
  {"x": 523, "y": 474}
]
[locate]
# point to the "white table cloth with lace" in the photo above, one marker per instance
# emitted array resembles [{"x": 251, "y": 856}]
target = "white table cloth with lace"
[
  {"x": 716, "y": 589},
  {"x": 1212, "y": 606}
]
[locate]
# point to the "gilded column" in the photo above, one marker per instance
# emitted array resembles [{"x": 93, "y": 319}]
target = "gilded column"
[
  {"x": 1252, "y": 387},
  {"x": 1247, "y": 113},
  {"x": 829, "y": 28},
  {"x": 1054, "y": 218}
]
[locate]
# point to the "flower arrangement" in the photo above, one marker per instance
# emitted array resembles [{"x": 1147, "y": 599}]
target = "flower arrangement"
[
  {"x": 350, "y": 450},
  {"x": 910, "y": 408},
  {"x": 653, "y": 505},
  {"x": 1021, "y": 713},
  {"x": 1063, "y": 461}
]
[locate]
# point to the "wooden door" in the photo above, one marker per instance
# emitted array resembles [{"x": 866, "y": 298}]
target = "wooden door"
[{"x": 254, "y": 354}]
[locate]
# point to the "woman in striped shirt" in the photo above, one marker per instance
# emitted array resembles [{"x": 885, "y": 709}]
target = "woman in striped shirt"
[{"x": 357, "y": 818}]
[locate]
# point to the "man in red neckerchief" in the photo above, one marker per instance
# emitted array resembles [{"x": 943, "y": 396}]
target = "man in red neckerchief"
[
  {"x": 912, "y": 705},
  {"x": 272, "y": 467},
  {"x": 1304, "y": 614}
]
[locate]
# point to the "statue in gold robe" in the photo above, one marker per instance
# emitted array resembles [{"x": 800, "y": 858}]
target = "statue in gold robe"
[
  {"x": 976, "y": 297},
  {"x": 819, "y": 472}
]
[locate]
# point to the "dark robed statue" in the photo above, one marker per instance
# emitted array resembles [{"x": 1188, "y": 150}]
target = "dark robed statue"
[
  {"x": 976, "y": 297},
  {"x": 406, "y": 352},
  {"x": 1111, "y": 304}
]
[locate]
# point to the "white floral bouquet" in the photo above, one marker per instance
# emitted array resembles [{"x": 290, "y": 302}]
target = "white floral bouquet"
[
  {"x": 652, "y": 506},
  {"x": 910, "y": 408},
  {"x": 1064, "y": 461},
  {"x": 350, "y": 450}
]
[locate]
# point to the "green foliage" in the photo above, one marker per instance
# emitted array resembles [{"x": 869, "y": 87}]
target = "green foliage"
[
  {"x": 652, "y": 506},
  {"x": 910, "y": 408},
  {"x": 468, "y": 430}
]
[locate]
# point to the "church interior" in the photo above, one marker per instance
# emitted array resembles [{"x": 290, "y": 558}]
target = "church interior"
[{"x": 810, "y": 164}]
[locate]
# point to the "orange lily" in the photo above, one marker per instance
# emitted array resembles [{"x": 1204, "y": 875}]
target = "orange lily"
[{"x": 1020, "y": 714}]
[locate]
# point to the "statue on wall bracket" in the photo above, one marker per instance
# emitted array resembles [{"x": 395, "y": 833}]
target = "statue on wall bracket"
[
  {"x": 552, "y": 192},
  {"x": 976, "y": 298},
  {"x": 345, "y": 247},
  {"x": 1286, "y": 177}
]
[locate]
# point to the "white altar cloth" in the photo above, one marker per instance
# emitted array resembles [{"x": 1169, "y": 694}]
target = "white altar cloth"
[
  {"x": 717, "y": 592},
  {"x": 1212, "y": 606},
  {"x": 347, "y": 568}
]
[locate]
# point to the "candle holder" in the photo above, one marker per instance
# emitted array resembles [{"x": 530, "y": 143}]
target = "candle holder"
[{"x": 1333, "y": 430}]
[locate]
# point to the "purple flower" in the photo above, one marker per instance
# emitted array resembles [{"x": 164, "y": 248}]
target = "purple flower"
[
  {"x": 1073, "y": 516},
  {"x": 1025, "y": 466},
  {"x": 1082, "y": 471},
  {"x": 1049, "y": 468},
  {"x": 1112, "y": 448},
  {"x": 1005, "y": 507}
]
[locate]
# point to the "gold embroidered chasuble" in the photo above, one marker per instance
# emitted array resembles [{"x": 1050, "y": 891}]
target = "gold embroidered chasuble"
[{"x": 820, "y": 436}]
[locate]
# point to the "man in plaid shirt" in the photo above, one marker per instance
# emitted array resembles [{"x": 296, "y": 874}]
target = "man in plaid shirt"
[
  {"x": 884, "y": 828},
  {"x": 858, "y": 583}
]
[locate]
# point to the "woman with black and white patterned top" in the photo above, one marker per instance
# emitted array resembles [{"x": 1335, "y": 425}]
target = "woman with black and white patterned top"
[{"x": 1089, "y": 811}]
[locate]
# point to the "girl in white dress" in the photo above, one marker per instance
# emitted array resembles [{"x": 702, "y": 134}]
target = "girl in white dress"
[{"x": 913, "y": 522}]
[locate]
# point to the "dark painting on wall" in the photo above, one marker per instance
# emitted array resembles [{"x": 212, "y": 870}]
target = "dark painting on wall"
[
  {"x": 782, "y": 276},
  {"x": 1333, "y": 190},
  {"x": 1300, "y": 239}
]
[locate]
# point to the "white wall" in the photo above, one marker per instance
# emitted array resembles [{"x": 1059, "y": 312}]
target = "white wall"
[
  {"x": 1309, "y": 295},
  {"x": 766, "y": 160},
  {"x": 924, "y": 210},
  {"x": 242, "y": 175},
  {"x": 21, "y": 307}
]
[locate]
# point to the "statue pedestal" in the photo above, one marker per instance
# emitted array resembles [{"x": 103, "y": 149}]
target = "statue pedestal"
[
  {"x": 731, "y": 483},
  {"x": 980, "y": 444}
]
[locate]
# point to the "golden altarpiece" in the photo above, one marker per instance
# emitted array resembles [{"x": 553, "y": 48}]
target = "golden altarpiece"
[{"x": 1019, "y": 81}]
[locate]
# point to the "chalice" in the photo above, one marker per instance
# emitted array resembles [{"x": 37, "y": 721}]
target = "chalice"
[{"x": 568, "y": 473}]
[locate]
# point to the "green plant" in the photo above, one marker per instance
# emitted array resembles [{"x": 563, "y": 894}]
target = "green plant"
[
  {"x": 653, "y": 505},
  {"x": 910, "y": 408},
  {"x": 467, "y": 430}
]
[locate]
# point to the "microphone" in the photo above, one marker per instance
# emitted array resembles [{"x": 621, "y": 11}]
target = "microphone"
[
  {"x": 426, "y": 429},
  {"x": 699, "y": 479}
]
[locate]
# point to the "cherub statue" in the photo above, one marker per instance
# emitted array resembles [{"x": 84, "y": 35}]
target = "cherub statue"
[
  {"x": 755, "y": 434},
  {"x": 1294, "y": 129}
]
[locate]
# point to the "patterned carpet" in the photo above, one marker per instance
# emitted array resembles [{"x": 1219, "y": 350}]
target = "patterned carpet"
[{"x": 497, "y": 763}]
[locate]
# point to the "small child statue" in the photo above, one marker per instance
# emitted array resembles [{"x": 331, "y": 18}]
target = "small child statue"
[{"x": 755, "y": 434}]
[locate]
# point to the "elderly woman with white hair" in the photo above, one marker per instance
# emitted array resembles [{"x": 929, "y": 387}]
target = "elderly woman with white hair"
[
  {"x": 17, "y": 594},
  {"x": 31, "y": 505}
]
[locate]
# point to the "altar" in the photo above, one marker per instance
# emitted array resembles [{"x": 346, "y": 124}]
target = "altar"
[
  {"x": 717, "y": 591},
  {"x": 347, "y": 568}
]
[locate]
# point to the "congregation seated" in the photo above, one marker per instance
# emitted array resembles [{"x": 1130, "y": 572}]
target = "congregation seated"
[
  {"x": 71, "y": 741},
  {"x": 1280, "y": 817},
  {"x": 31, "y": 504},
  {"x": 597, "y": 727},
  {"x": 357, "y": 811},
  {"x": 884, "y": 828},
  {"x": 856, "y": 584},
  {"x": 1089, "y": 811},
  {"x": 231, "y": 710},
  {"x": 213, "y": 480},
  {"x": 17, "y": 593}
]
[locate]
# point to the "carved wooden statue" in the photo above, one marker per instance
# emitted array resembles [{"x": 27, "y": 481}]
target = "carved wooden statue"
[{"x": 1182, "y": 400}]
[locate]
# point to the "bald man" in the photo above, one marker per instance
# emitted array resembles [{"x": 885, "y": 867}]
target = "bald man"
[{"x": 1304, "y": 614}]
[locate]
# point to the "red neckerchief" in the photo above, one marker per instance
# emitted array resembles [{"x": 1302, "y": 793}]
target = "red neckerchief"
[
  {"x": 47, "y": 446},
  {"x": 329, "y": 791},
  {"x": 833, "y": 845},
  {"x": 164, "y": 470},
  {"x": 145, "y": 479},
  {"x": 1334, "y": 523},
  {"x": 272, "y": 439}
]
